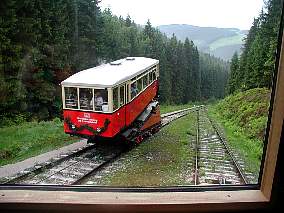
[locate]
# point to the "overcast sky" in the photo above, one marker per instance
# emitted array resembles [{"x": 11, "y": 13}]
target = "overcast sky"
[{"x": 205, "y": 13}]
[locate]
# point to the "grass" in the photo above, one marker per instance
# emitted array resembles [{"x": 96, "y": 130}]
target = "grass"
[
  {"x": 162, "y": 160},
  {"x": 30, "y": 139},
  {"x": 244, "y": 117}
]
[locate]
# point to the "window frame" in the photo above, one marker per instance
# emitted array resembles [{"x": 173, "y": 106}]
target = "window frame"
[
  {"x": 78, "y": 98},
  {"x": 165, "y": 199},
  {"x": 64, "y": 98},
  {"x": 79, "y": 104},
  {"x": 147, "y": 73},
  {"x": 117, "y": 96}
]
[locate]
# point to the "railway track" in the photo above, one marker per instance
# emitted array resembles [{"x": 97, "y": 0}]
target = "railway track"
[
  {"x": 171, "y": 116},
  {"x": 72, "y": 168},
  {"x": 75, "y": 168},
  {"x": 214, "y": 161}
]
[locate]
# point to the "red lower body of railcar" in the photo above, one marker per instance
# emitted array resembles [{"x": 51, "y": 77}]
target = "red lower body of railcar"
[{"x": 108, "y": 125}]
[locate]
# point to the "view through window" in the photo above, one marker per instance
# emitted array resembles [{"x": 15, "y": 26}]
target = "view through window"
[{"x": 184, "y": 103}]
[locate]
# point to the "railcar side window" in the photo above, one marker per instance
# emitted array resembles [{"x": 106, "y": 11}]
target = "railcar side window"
[
  {"x": 121, "y": 95},
  {"x": 139, "y": 85},
  {"x": 126, "y": 93},
  {"x": 150, "y": 77},
  {"x": 145, "y": 81},
  {"x": 154, "y": 75},
  {"x": 115, "y": 98},
  {"x": 101, "y": 100},
  {"x": 85, "y": 97},
  {"x": 71, "y": 98},
  {"x": 134, "y": 90}
]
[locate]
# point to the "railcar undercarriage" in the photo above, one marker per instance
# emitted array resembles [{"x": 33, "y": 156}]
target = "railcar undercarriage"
[{"x": 146, "y": 124}]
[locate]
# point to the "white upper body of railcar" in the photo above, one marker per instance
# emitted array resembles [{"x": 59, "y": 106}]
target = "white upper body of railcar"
[{"x": 110, "y": 74}]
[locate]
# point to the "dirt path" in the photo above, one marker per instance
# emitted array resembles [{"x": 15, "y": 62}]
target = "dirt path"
[{"x": 12, "y": 169}]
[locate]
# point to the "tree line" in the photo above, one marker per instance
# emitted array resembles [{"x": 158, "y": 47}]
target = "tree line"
[
  {"x": 255, "y": 66},
  {"x": 44, "y": 42}
]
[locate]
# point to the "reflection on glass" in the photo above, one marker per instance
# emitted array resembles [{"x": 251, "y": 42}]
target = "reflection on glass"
[
  {"x": 85, "y": 97},
  {"x": 121, "y": 95},
  {"x": 115, "y": 98},
  {"x": 145, "y": 81},
  {"x": 188, "y": 151},
  {"x": 139, "y": 85},
  {"x": 133, "y": 89},
  {"x": 154, "y": 75},
  {"x": 101, "y": 100}
]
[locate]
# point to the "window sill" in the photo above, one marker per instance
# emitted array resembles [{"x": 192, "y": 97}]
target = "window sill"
[{"x": 201, "y": 201}]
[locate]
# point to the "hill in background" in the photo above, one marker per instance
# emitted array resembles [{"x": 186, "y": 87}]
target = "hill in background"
[{"x": 220, "y": 42}]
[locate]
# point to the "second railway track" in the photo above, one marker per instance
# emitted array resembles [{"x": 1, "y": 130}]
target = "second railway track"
[{"x": 214, "y": 161}]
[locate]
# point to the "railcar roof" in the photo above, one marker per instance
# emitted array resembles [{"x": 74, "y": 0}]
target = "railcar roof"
[{"x": 111, "y": 74}]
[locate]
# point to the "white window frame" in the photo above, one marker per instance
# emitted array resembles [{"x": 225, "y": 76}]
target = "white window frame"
[{"x": 78, "y": 99}]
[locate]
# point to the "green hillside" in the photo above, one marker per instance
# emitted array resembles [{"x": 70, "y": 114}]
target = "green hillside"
[
  {"x": 227, "y": 41},
  {"x": 220, "y": 42},
  {"x": 248, "y": 110},
  {"x": 244, "y": 117}
]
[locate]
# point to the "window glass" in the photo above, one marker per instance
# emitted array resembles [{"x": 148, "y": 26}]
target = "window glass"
[
  {"x": 150, "y": 77},
  {"x": 71, "y": 98},
  {"x": 154, "y": 75},
  {"x": 190, "y": 150},
  {"x": 101, "y": 100},
  {"x": 134, "y": 90},
  {"x": 139, "y": 85},
  {"x": 121, "y": 96},
  {"x": 115, "y": 98},
  {"x": 127, "y": 93},
  {"x": 85, "y": 97},
  {"x": 145, "y": 81}
]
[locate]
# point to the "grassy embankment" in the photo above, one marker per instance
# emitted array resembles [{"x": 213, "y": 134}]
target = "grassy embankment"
[
  {"x": 29, "y": 139},
  {"x": 164, "y": 159},
  {"x": 244, "y": 118}
]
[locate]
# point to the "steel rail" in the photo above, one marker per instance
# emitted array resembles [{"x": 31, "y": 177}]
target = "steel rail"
[
  {"x": 239, "y": 170},
  {"x": 178, "y": 114},
  {"x": 196, "y": 149},
  {"x": 180, "y": 111},
  {"x": 39, "y": 169},
  {"x": 98, "y": 168}
]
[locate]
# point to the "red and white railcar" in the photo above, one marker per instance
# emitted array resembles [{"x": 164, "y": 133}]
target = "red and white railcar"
[{"x": 112, "y": 99}]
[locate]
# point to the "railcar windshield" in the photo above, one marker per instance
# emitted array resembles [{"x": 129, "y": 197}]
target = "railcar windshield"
[
  {"x": 89, "y": 99},
  {"x": 134, "y": 90},
  {"x": 115, "y": 98},
  {"x": 71, "y": 97},
  {"x": 101, "y": 100},
  {"x": 86, "y": 96}
]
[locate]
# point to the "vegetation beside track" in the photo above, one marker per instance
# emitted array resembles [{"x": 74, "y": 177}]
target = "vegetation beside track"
[
  {"x": 162, "y": 160},
  {"x": 244, "y": 117},
  {"x": 29, "y": 139}
]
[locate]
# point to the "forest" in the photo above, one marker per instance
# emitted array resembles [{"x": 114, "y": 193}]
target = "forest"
[
  {"x": 44, "y": 42},
  {"x": 255, "y": 66}
]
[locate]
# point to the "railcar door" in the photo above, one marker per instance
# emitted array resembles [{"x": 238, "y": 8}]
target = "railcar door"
[{"x": 118, "y": 108}]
